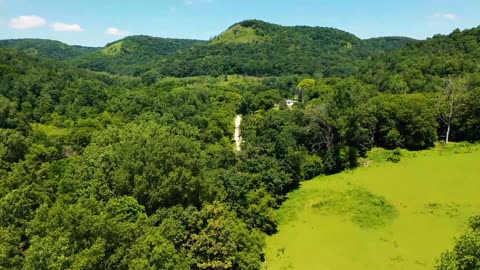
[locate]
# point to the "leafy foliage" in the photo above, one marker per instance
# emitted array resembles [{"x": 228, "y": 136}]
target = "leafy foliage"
[
  {"x": 466, "y": 252},
  {"x": 258, "y": 48},
  {"x": 360, "y": 206},
  {"x": 100, "y": 171},
  {"x": 132, "y": 55},
  {"x": 421, "y": 65},
  {"x": 47, "y": 48},
  {"x": 249, "y": 47},
  {"x": 386, "y": 44}
]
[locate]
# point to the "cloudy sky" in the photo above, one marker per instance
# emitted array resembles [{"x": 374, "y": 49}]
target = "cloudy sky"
[{"x": 95, "y": 23}]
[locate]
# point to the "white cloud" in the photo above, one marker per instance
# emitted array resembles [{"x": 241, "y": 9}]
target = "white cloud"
[
  {"x": 450, "y": 16},
  {"x": 173, "y": 9},
  {"x": 63, "y": 27},
  {"x": 445, "y": 16},
  {"x": 26, "y": 22},
  {"x": 116, "y": 32}
]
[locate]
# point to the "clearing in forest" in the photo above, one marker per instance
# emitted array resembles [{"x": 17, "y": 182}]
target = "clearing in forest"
[{"x": 384, "y": 216}]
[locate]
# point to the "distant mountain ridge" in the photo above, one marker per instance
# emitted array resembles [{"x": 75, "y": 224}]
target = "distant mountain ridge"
[
  {"x": 47, "y": 48},
  {"x": 258, "y": 48},
  {"x": 388, "y": 43},
  {"x": 423, "y": 65},
  {"x": 250, "y": 47},
  {"x": 133, "y": 55}
]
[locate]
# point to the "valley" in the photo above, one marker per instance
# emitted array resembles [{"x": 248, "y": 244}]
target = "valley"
[{"x": 251, "y": 146}]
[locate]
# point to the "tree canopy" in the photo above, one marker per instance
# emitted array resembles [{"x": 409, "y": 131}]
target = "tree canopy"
[{"x": 139, "y": 171}]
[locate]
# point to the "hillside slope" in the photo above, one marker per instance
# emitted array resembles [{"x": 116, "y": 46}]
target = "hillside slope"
[
  {"x": 46, "y": 48},
  {"x": 132, "y": 55},
  {"x": 32, "y": 88},
  {"x": 258, "y": 48},
  {"x": 422, "y": 65},
  {"x": 386, "y": 44},
  {"x": 251, "y": 47}
]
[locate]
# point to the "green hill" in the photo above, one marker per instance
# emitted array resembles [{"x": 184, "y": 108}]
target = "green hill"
[
  {"x": 251, "y": 47},
  {"x": 422, "y": 65},
  {"x": 47, "y": 48},
  {"x": 258, "y": 48},
  {"x": 388, "y": 43},
  {"x": 32, "y": 88},
  {"x": 132, "y": 55},
  {"x": 239, "y": 34}
]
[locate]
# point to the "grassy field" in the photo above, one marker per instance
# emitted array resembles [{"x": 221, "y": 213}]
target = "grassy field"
[
  {"x": 239, "y": 34},
  {"x": 382, "y": 216}
]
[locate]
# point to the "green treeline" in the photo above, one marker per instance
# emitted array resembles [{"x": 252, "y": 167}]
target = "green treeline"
[
  {"x": 103, "y": 171},
  {"x": 47, "y": 48},
  {"x": 251, "y": 47}
]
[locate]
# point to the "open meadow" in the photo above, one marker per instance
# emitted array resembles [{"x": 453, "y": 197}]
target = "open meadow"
[{"x": 383, "y": 216}]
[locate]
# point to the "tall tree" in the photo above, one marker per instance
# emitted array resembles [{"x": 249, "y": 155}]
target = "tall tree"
[
  {"x": 450, "y": 101},
  {"x": 304, "y": 86}
]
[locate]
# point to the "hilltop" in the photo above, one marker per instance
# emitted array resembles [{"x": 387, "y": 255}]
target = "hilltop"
[
  {"x": 258, "y": 48},
  {"x": 421, "y": 65},
  {"x": 132, "y": 55},
  {"x": 250, "y": 47},
  {"x": 47, "y": 48}
]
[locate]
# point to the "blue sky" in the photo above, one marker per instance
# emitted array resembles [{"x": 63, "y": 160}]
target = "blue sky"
[{"x": 95, "y": 23}]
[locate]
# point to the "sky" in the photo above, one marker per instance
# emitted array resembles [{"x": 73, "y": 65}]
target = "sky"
[{"x": 96, "y": 23}]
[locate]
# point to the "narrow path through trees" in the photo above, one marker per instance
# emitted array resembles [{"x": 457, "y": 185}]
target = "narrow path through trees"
[{"x": 238, "y": 138}]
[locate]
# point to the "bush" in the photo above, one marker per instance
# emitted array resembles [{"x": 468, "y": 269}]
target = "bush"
[
  {"x": 393, "y": 139},
  {"x": 313, "y": 166},
  {"x": 466, "y": 252},
  {"x": 395, "y": 156}
]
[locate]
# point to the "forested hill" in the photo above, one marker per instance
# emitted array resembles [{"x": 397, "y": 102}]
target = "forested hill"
[
  {"x": 386, "y": 44},
  {"x": 47, "y": 48},
  {"x": 133, "y": 55},
  {"x": 250, "y": 47},
  {"x": 258, "y": 48},
  {"x": 422, "y": 65}
]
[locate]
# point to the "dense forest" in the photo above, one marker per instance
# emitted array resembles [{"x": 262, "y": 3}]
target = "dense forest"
[
  {"x": 134, "y": 167},
  {"x": 47, "y": 48},
  {"x": 133, "y": 55},
  {"x": 251, "y": 47}
]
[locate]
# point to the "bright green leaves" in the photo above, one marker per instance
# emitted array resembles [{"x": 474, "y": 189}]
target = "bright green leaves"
[
  {"x": 465, "y": 255},
  {"x": 152, "y": 251},
  {"x": 223, "y": 241},
  {"x": 87, "y": 234},
  {"x": 407, "y": 121},
  {"x": 147, "y": 161}
]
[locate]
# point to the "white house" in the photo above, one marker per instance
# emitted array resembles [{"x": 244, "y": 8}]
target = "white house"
[{"x": 290, "y": 103}]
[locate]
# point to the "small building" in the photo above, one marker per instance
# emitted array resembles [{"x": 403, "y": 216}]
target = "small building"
[{"x": 290, "y": 103}]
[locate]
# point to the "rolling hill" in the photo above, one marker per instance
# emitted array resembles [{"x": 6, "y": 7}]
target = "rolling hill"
[
  {"x": 257, "y": 48},
  {"x": 422, "y": 65},
  {"x": 250, "y": 47},
  {"x": 47, "y": 48},
  {"x": 387, "y": 43},
  {"x": 132, "y": 55}
]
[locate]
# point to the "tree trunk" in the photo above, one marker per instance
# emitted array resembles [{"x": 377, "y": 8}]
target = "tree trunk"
[{"x": 448, "y": 133}]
